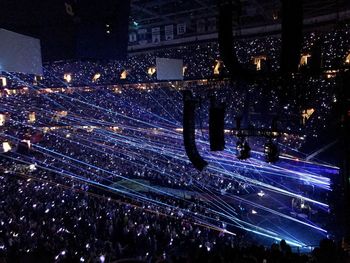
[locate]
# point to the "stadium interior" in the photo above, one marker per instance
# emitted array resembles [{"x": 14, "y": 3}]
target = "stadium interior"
[{"x": 175, "y": 131}]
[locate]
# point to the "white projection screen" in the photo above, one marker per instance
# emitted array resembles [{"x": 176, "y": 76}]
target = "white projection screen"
[
  {"x": 169, "y": 69},
  {"x": 19, "y": 53}
]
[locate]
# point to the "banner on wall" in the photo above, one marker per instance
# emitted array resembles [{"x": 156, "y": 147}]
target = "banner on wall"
[
  {"x": 142, "y": 36},
  {"x": 155, "y": 34},
  {"x": 212, "y": 24},
  {"x": 169, "y": 32},
  {"x": 132, "y": 37},
  {"x": 200, "y": 26},
  {"x": 181, "y": 28}
]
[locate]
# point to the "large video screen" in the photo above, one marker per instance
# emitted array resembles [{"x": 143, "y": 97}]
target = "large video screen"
[
  {"x": 20, "y": 53},
  {"x": 169, "y": 69}
]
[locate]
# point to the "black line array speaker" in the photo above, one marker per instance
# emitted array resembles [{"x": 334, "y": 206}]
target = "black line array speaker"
[
  {"x": 189, "y": 132},
  {"x": 229, "y": 10},
  {"x": 292, "y": 34},
  {"x": 216, "y": 126},
  {"x": 316, "y": 59}
]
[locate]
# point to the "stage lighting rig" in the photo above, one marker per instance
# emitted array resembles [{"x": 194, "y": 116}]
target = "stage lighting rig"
[
  {"x": 271, "y": 151},
  {"x": 243, "y": 149}
]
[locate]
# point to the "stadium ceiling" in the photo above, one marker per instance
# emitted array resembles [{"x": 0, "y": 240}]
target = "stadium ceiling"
[{"x": 149, "y": 13}]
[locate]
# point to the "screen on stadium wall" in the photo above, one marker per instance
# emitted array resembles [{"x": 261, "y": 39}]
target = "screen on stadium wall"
[
  {"x": 169, "y": 69},
  {"x": 20, "y": 53}
]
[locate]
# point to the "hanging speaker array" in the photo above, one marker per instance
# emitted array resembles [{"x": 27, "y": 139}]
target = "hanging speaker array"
[{"x": 189, "y": 132}]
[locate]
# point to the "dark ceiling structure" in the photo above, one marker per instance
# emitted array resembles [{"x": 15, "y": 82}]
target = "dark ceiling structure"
[
  {"x": 73, "y": 28},
  {"x": 254, "y": 12},
  {"x": 70, "y": 29}
]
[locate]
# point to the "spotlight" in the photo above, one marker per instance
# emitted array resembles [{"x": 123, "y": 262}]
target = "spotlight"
[
  {"x": 2, "y": 119},
  {"x": 243, "y": 149},
  {"x": 6, "y": 147},
  {"x": 271, "y": 152},
  {"x": 124, "y": 74},
  {"x": 37, "y": 79},
  {"x": 261, "y": 194},
  {"x": 31, "y": 117},
  {"x": 96, "y": 77},
  {"x": 347, "y": 59},
  {"x": 151, "y": 71},
  {"x": 3, "y": 81},
  {"x": 67, "y": 77},
  {"x": 32, "y": 167}
]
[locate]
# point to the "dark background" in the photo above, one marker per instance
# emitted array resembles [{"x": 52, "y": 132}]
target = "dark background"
[{"x": 65, "y": 36}]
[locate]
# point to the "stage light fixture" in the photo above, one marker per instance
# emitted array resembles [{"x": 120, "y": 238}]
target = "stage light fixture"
[
  {"x": 37, "y": 79},
  {"x": 3, "y": 81},
  {"x": 243, "y": 149},
  {"x": 124, "y": 74},
  {"x": 6, "y": 147},
  {"x": 261, "y": 193},
  {"x": 217, "y": 67},
  {"x": 67, "y": 77},
  {"x": 151, "y": 71},
  {"x": 31, "y": 117},
  {"x": 96, "y": 77},
  {"x": 304, "y": 60},
  {"x": 184, "y": 68},
  {"x": 258, "y": 61},
  {"x": 347, "y": 59},
  {"x": 2, "y": 119},
  {"x": 271, "y": 151}
]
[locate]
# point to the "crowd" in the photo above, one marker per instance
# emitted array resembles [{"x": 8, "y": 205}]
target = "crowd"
[
  {"x": 162, "y": 106},
  {"x": 133, "y": 133},
  {"x": 135, "y": 130},
  {"x": 48, "y": 219}
]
